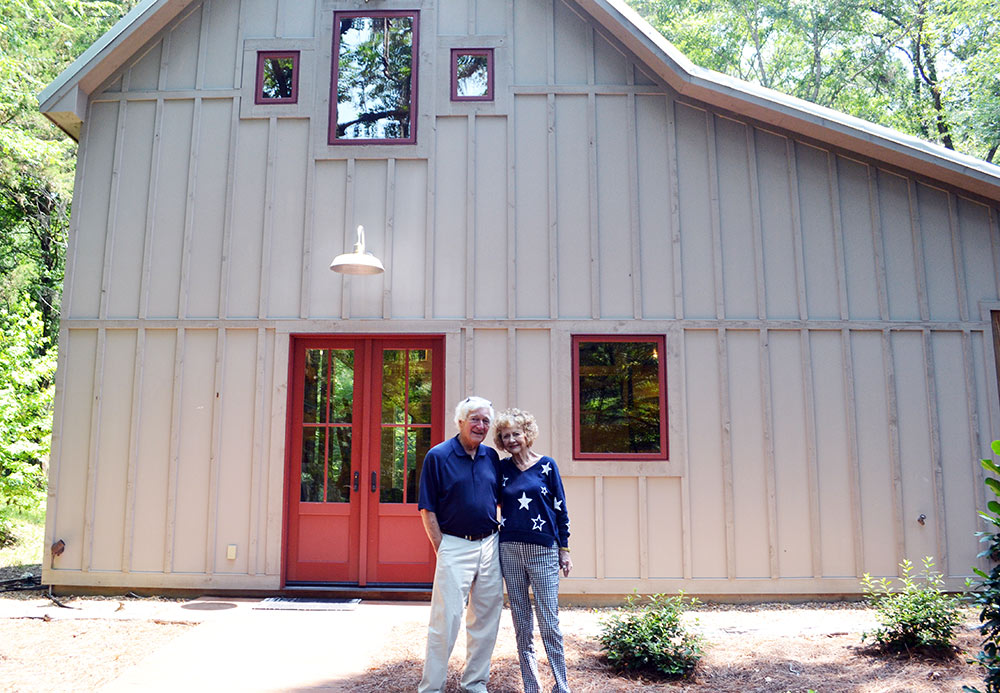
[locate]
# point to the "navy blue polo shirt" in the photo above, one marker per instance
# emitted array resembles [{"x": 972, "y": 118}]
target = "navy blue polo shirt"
[{"x": 459, "y": 490}]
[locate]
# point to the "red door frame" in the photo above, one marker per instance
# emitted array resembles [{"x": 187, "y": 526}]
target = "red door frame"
[{"x": 365, "y": 511}]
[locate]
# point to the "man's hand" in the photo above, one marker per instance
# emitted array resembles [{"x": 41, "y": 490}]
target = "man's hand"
[{"x": 432, "y": 528}]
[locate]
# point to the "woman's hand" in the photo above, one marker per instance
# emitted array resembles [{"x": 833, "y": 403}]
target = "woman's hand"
[{"x": 565, "y": 562}]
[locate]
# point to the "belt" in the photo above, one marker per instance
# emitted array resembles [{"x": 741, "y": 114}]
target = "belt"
[{"x": 474, "y": 537}]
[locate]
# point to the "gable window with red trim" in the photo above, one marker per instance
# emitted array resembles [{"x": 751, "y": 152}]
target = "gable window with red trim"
[
  {"x": 471, "y": 74},
  {"x": 277, "y": 77},
  {"x": 374, "y": 78},
  {"x": 619, "y": 397}
]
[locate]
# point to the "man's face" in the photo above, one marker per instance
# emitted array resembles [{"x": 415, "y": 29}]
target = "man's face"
[{"x": 475, "y": 427}]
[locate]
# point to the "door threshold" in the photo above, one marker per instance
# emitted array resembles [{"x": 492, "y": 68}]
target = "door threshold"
[{"x": 417, "y": 592}]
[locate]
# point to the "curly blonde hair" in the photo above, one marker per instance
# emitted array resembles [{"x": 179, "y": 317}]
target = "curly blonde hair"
[{"x": 515, "y": 418}]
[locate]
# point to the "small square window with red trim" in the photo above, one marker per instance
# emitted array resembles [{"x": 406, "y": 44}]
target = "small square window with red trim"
[
  {"x": 471, "y": 74},
  {"x": 619, "y": 397},
  {"x": 277, "y": 77}
]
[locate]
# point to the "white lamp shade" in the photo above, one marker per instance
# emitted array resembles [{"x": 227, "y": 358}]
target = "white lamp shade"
[{"x": 358, "y": 262}]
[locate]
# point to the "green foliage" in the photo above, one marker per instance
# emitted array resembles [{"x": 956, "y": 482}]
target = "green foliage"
[
  {"x": 650, "y": 638},
  {"x": 985, "y": 592},
  {"x": 25, "y": 409},
  {"x": 918, "y": 618},
  {"x": 926, "y": 67}
]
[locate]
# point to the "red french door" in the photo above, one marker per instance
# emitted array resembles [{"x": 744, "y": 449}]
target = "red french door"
[{"x": 363, "y": 413}]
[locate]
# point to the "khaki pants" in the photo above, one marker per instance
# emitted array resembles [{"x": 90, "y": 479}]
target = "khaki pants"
[{"x": 467, "y": 572}]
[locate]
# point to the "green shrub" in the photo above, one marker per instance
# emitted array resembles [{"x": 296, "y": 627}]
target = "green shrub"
[
  {"x": 919, "y": 618},
  {"x": 985, "y": 592},
  {"x": 649, "y": 638}
]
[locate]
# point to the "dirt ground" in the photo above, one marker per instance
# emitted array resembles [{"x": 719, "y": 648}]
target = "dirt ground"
[{"x": 764, "y": 648}]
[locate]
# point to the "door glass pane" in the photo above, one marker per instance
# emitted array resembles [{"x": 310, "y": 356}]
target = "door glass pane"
[
  {"x": 312, "y": 464},
  {"x": 339, "y": 465},
  {"x": 314, "y": 404},
  {"x": 342, "y": 404},
  {"x": 420, "y": 386},
  {"x": 393, "y": 465},
  {"x": 393, "y": 386},
  {"x": 420, "y": 443}
]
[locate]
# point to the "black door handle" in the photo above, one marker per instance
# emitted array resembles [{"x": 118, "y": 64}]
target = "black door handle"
[
  {"x": 357, "y": 475},
  {"x": 374, "y": 482}
]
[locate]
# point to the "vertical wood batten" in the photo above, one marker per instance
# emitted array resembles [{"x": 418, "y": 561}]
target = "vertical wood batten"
[
  {"x": 274, "y": 443},
  {"x": 798, "y": 250},
  {"x": 595, "y": 238},
  {"x": 512, "y": 394},
  {"x": 226, "y": 270},
  {"x": 600, "y": 539},
  {"x": 270, "y": 183},
  {"x": 676, "y": 348},
  {"x": 390, "y": 232},
  {"x": 551, "y": 180},
  {"x": 895, "y": 464},
  {"x": 471, "y": 288},
  {"x": 675, "y": 210},
  {"x": 878, "y": 245},
  {"x": 633, "y": 192},
  {"x": 257, "y": 459},
  {"x": 756, "y": 223},
  {"x": 643, "y": 514},
  {"x": 111, "y": 230},
  {"x": 812, "y": 463},
  {"x": 552, "y": 205},
  {"x": 854, "y": 461},
  {"x": 840, "y": 263},
  {"x": 961, "y": 281},
  {"x": 975, "y": 430},
  {"x": 920, "y": 266},
  {"x": 468, "y": 372},
  {"x": 174, "y": 453},
  {"x": 192, "y": 190},
  {"x": 215, "y": 454},
  {"x": 349, "y": 236},
  {"x": 93, "y": 452},
  {"x": 151, "y": 200},
  {"x": 133, "y": 449},
  {"x": 770, "y": 474},
  {"x": 56, "y": 446},
  {"x": 716, "y": 216},
  {"x": 308, "y": 232},
  {"x": 934, "y": 423},
  {"x": 994, "y": 223},
  {"x": 728, "y": 492}
]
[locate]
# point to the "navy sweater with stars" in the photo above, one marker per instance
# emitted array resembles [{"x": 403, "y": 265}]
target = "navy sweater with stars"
[{"x": 533, "y": 504}]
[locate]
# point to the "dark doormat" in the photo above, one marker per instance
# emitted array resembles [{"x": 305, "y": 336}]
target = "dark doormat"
[{"x": 303, "y": 604}]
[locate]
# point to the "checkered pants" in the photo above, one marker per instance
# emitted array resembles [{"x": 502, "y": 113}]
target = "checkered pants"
[{"x": 536, "y": 566}]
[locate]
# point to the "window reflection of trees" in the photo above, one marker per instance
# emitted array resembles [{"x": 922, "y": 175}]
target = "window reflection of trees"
[
  {"x": 374, "y": 77},
  {"x": 472, "y": 74},
  {"x": 277, "y": 78},
  {"x": 327, "y": 418},
  {"x": 406, "y": 422},
  {"x": 619, "y": 387}
]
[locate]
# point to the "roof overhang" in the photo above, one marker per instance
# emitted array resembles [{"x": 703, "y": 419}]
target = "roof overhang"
[
  {"x": 788, "y": 113},
  {"x": 64, "y": 102}
]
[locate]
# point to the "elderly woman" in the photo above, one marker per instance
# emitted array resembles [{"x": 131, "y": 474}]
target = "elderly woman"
[{"x": 534, "y": 543}]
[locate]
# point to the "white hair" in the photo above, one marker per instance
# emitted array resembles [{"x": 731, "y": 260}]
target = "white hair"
[{"x": 471, "y": 404}]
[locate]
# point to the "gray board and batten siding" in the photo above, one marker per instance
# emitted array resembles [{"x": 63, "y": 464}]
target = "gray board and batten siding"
[{"x": 831, "y": 366}]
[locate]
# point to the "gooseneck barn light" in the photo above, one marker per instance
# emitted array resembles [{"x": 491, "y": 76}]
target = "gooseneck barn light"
[{"x": 360, "y": 261}]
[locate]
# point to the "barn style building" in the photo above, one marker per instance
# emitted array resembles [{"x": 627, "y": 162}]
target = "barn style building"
[{"x": 760, "y": 336}]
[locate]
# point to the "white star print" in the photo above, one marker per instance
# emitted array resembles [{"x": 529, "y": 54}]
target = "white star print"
[
  {"x": 537, "y": 522},
  {"x": 545, "y": 491},
  {"x": 524, "y": 501},
  {"x": 558, "y": 504},
  {"x": 546, "y": 468},
  {"x": 502, "y": 520}
]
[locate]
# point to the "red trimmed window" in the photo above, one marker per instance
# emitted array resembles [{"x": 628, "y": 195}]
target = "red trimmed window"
[
  {"x": 619, "y": 397},
  {"x": 374, "y": 90},
  {"x": 277, "y": 77},
  {"x": 471, "y": 74}
]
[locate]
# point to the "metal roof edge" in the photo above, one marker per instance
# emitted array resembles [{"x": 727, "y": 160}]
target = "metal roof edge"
[
  {"x": 92, "y": 56},
  {"x": 702, "y": 83}
]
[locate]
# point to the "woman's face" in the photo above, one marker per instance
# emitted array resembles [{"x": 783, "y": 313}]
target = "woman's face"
[{"x": 514, "y": 440}]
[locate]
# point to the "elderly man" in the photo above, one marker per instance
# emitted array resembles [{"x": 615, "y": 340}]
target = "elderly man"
[{"x": 458, "y": 505}]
